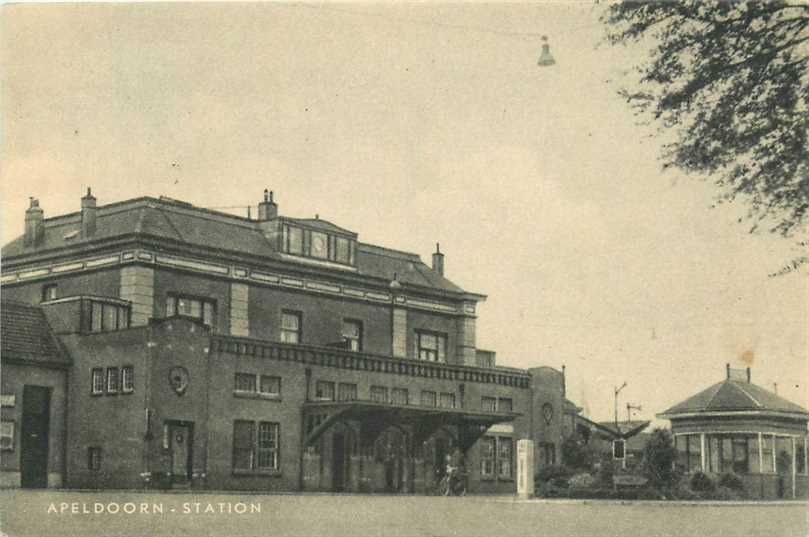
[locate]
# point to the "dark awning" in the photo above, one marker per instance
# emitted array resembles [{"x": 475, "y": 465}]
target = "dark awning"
[{"x": 376, "y": 416}]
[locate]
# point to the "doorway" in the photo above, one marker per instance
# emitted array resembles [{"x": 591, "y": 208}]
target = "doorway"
[
  {"x": 36, "y": 411},
  {"x": 338, "y": 462},
  {"x": 180, "y": 443}
]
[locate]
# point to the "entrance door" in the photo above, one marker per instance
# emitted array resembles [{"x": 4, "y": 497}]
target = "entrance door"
[
  {"x": 440, "y": 460},
  {"x": 338, "y": 462},
  {"x": 36, "y": 410},
  {"x": 181, "y": 438}
]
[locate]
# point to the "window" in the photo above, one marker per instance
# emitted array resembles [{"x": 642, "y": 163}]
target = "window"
[
  {"x": 267, "y": 446},
  {"x": 7, "y": 435},
  {"x": 191, "y": 307},
  {"x": 800, "y": 459},
  {"x": 741, "y": 464},
  {"x": 399, "y": 396},
  {"x": 446, "y": 400},
  {"x": 428, "y": 398},
  {"x": 766, "y": 451},
  {"x": 127, "y": 379},
  {"x": 343, "y": 251},
  {"x": 255, "y": 452},
  {"x": 379, "y": 394},
  {"x": 489, "y": 404},
  {"x": 94, "y": 458},
  {"x": 49, "y": 292},
  {"x": 324, "y": 390},
  {"x": 112, "y": 380},
  {"x": 243, "y": 444},
  {"x": 347, "y": 391},
  {"x": 245, "y": 382},
  {"x": 487, "y": 444},
  {"x": 296, "y": 240},
  {"x": 97, "y": 381},
  {"x": 290, "y": 327},
  {"x": 106, "y": 317},
  {"x": 352, "y": 334},
  {"x": 293, "y": 240},
  {"x": 505, "y": 404},
  {"x": 319, "y": 245},
  {"x": 270, "y": 385},
  {"x": 726, "y": 453},
  {"x": 505, "y": 454},
  {"x": 431, "y": 346}
]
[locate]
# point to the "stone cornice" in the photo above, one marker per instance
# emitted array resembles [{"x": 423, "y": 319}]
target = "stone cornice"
[
  {"x": 328, "y": 357},
  {"x": 304, "y": 281}
]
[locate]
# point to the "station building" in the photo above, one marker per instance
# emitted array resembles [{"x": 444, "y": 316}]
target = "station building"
[{"x": 158, "y": 344}]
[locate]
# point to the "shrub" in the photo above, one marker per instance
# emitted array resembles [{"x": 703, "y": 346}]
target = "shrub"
[
  {"x": 554, "y": 473},
  {"x": 575, "y": 453},
  {"x": 731, "y": 481},
  {"x": 581, "y": 481},
  {"x": 726, "y": 494},
  {"x": 606, "y": 471},
  {"x": 658, "y": 458},
  {"x": 700, "y": 482}
]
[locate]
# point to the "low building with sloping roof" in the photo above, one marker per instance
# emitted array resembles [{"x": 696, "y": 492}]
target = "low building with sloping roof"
[
  {"x": 737, "y": 427},
  {"x": 34, "y": 397}
]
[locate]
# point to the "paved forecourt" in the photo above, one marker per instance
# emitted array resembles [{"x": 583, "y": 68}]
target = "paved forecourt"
[{"x": 39, "y": 514}]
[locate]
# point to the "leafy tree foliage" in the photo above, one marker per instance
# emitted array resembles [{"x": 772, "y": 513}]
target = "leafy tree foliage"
[
  {"x": 575, "y": 453},
  {"x": 730, "y": 80},
  {"x": 658, "y": 458}
]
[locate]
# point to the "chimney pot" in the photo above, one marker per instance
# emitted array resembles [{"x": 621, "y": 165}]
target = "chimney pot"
[
  {"x": 267, "y": 209},
  {"x": 438, "y": 260},
  {"x": 727, "y": 371}
]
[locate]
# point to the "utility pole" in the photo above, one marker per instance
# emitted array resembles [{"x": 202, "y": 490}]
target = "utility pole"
[{"x": 617, "y": 391}]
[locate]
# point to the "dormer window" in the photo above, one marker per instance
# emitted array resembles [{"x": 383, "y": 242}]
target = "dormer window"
[
  {"x": 317, "y": 244},
  {"x": 106, "y": 316}
]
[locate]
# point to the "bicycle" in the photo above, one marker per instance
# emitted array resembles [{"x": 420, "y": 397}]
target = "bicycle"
[{"x": 453, "y": 483}]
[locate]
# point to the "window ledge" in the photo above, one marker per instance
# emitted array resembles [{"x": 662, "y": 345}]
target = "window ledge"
[
  {"x": 257, "y": 473},
  {"x": 256, "y": 395}
]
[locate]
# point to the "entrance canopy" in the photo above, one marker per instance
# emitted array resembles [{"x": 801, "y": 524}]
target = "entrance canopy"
[{"x": 374, "y": 417}]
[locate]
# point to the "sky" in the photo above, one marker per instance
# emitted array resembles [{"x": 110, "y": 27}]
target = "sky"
[{"x": 413, "y": 124}]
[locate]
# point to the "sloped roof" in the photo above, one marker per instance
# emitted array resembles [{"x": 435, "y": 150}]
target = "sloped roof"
[
  {"x": 26, "y": 336},
  {"x": 734, "y": 395},
  {"x": 184, "y": 223},
  {"x": 625, "y": 429}
]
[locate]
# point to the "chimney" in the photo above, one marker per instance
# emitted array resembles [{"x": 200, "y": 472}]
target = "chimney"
[
  {"x": 34, "y": 224},
  {"x": 727, "y": 371},
  {"x": 88, "y": 215},
  {"x": 267, "y": 209},
  {"x": 748, "y": 375},
  {"x": 438, "y": 260}
]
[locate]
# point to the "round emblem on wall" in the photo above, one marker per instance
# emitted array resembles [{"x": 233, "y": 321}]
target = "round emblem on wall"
[
  {"x": 547, "y": 412},
  {"x": 178, "y": 379}
]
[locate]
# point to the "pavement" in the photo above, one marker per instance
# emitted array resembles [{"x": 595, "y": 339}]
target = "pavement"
[{"x": 134, "y": 514}]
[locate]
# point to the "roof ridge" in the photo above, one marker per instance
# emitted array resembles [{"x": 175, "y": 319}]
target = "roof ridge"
[
  {"x": 719, "y": 386},
  {"x": 736, "y": 385},
  {"x": 173, "y": 227}
]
